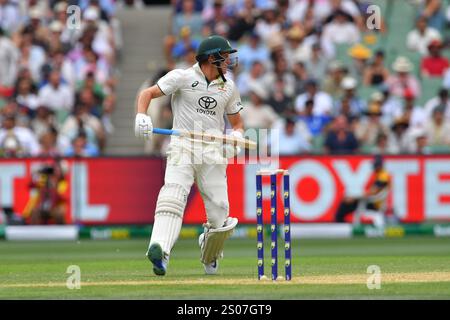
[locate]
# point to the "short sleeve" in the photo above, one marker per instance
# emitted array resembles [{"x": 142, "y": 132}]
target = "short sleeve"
[
  {"x": 234, "y": 104},
  {"x": 171, "y": 82}
]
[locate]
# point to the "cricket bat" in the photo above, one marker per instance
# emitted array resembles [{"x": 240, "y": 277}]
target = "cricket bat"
[{"x": 241, "y": 142}]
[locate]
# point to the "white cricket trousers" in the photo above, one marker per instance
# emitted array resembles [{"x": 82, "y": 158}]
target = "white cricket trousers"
[{"x": 211, "y": 180}]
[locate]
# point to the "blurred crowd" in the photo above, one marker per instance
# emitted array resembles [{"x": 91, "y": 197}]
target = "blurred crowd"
[
  {"x": 58, "y": 76},
  {"x": 319, "y": 72}
]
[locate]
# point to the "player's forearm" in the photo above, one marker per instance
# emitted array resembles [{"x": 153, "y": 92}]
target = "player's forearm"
[
  {"x": 239, "y": 127},
  {"x": 144, "y": 101},
  {"x": 236, "y": 122}
]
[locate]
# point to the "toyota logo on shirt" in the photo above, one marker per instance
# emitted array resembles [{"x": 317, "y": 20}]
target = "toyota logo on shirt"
[{"x": 207, "y": 103}]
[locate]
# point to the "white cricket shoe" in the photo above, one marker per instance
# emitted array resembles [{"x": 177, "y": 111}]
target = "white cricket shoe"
[{"x": 211, "y": 268}]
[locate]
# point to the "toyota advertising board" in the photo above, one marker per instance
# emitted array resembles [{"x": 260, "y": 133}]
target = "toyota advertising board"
[{"x": 125, "y": 190}]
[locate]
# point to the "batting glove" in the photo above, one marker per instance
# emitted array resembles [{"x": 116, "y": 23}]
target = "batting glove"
[
  {"x": 230, "y": 151},
  {"x": 143, "y": 126}
]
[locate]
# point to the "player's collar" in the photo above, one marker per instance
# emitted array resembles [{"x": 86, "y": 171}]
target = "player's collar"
[{"x": 197, "y": 69}]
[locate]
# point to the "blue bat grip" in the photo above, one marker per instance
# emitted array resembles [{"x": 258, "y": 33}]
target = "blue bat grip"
[{"x": 167, "y": 132}]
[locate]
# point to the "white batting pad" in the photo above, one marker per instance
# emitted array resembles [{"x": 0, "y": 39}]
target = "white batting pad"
[
  {"x": 214, "y": 239},
  {"x": 168, "y": 216},
  {"x": 166, "y": 230}
]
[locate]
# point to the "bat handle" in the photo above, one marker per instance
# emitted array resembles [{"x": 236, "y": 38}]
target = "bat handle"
[{"x": 167, "y": 132}]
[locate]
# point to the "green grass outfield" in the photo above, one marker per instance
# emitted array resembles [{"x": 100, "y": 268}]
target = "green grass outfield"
[{"x": 411, "y": 268}]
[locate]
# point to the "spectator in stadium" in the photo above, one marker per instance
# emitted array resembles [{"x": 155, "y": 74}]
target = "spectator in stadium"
[
  {"x": 346, "y": 111},
  {"x": 441, "y": 100},
  {"x": 376, "y": 73},
  {"x": 90, "y": 84},
  {"x": 54, "y": 38},
  {"x": 12, "y": 108},
  {"x": 89, "y": 98},
  {"x": 275, "y": 45},
  {"x": 108, "y": 106},
  {"x": 251, "y": 51},
  {"x": 417, "y": 141},
  {"x": 309, "y": 21},
  {"x": 375, "y": 193},
  {"x": 419, "y": 38},
  {"x": 25, "y": 94},
  {"x": 317, "y": 64},
  {"x": 10, "y": 16},
  {"x": 188, "y": 59},
  {"x": 58, "y": 61},
  {"x": 437, "y": 129},
  {"x": 291, "y": 140},
  {"x": 244, "y": 22},
  {"x": 398, "y": 137},
  {"x": 350, "y": 8},
  {"x": 81, "y": 147},
  {"x": 253, "y": 75},
  {"x": 48, "y": 144},
  {"x": 296, "y": 48},
  {"x": 432, "y": 10},
  {"x": 315, "y": 123},
  {"x": 16, "y": 141},
  {"x": 300, "y": 9},
  {"x": 9, "y": 57},
  {"x": 349, "y": 87},
  {"x": 332, "y": 83},
  {"x": 381, "y": 145},
  {"x": 370, "y": 127},
  {"x": 403, "y": 80},
  {"x": 43, "y": 120},
  {"x": 391, "y": 106},
  {"x": 280, "y": 102},
  {"x": 102, "y": 39},
  {"x": 269, "y": 23},
  {"x": 32, "y": 56},
  {"x": 185, "y": 43},
  {"x": 323, "y": 104},
  {"x": 339, "y": 139},
  {"x": 434, "y": 65},
  {"x": 91, "y": 62},
  {"x": 341, "y": 30},
  {"x": 280, "y": 71},
  {"x": 82, "y": 121},
  {"x": 414, "y": 113},
  {"x": 218, "y": 22},
  {"x": 360, "y": 55},
  {"x": 300, "y": 76},
  {"x": 56, "y": 94},
  {"x": 256, "y": 113}
]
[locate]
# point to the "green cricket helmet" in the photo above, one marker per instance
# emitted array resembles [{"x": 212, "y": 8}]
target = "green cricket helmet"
[{"x": 214, "y": 45}]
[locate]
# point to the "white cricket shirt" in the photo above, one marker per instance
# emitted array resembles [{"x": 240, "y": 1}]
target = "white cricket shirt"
[{"x": 197, "y": 105}]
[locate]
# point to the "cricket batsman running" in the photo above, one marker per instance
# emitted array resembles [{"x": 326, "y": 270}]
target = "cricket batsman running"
[{"x": 201, "y": 96}]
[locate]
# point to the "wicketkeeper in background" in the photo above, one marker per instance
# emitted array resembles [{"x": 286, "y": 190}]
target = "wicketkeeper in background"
[{"x": 201, "y": 96}]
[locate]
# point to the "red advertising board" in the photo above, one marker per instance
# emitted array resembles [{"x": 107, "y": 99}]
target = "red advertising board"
[
  {"x": 420, "y": 187},
  {"x": 99, "y": 190},
  {"x": 125, "y": 190}
]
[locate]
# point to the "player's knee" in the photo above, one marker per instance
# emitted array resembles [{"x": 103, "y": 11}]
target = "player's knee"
[{"x": 172, "y": 199}]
